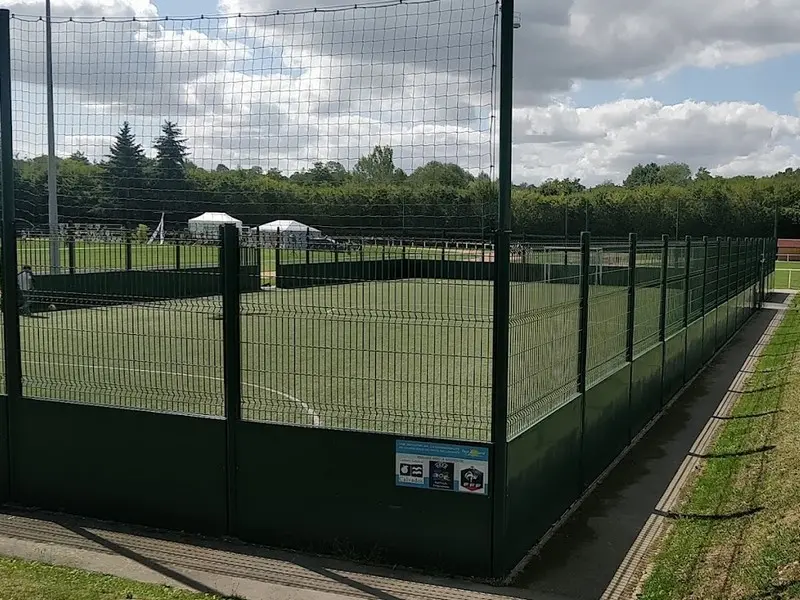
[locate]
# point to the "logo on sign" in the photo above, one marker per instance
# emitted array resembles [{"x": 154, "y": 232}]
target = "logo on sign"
[
  {"x": 411, "y": 472},
  {"x": 472, "y": 479},
  {"x": 442, "y": 475}
]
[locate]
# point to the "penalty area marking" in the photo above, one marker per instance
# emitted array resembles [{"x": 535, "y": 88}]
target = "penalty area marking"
[{"x": 315, "y": 418}]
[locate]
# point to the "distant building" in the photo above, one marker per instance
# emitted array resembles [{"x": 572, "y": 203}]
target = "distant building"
[{"x": 788, "y": 249}]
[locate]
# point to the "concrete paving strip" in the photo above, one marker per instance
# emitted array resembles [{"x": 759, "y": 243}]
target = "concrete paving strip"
[
  {"x": 628, "y": 578},
  {"x": 218, "y": 567}
]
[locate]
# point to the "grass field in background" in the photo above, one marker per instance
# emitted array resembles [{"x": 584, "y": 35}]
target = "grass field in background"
[
  {"x": 740, "y": 536},
  {"x": 111, "y": 256},
  {"x": 787, "y": 275},
  {"x": 24, "y": 580},
  {"x": 408, "y": 356}
]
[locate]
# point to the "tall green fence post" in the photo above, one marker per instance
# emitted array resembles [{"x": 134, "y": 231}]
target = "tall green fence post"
[
  {"x": 178, "y": 255},
  {"x": 728, "y": 288},
  {"x": 583, "y": 339},
  {"x": 502, "y": 275},
  {"x": 705, "y": 272},
  {"x": 232, "y": 360},
  {"x": 662, "y": 306},
  {"x": 308, "y": 248},
  {"x": 631, "y": 320},
  {"x": 71, "y": 254},
  {"x": 11, "y": 333},
  {"x": 762, "y": 273},
  {"x": 687, "y": 280},
  {"x": 128, "y": 251}
]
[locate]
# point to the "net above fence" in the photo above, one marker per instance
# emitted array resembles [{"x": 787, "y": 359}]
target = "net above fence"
[{"x": 370, "y": 118}]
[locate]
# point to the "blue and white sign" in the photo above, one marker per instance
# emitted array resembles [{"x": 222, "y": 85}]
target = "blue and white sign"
[{"x": 449, "y": 467}]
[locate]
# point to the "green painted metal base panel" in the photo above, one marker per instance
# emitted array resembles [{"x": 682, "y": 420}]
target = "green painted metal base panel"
[
  {"x": 709, "y": 335},
  {"x": 4, "y": 465},
  {"x": 732, "y": 326},
  {"x": 124, "y": 465},
  {"x": 543, "y": 479},
  {"x": 675, "y": 355},
  {"x": 722, "y": 326},
  {"x": 606, "y": 422},
  {"x": 332, "y": 491},
  {"x": 698, "y": 350},
  {"x": 646, "y": 392}
]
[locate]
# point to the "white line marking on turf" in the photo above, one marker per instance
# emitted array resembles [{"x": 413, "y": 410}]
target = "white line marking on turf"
[{"x": 315, "y": 419}]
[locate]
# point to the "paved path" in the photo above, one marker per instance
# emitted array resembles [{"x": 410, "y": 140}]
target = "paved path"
[{"x": 579, "y": 562}]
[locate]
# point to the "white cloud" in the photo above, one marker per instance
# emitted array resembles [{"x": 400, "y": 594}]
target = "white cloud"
[
  {"x": 605, "y": 141},
  {"x": 286, "y": 90}
]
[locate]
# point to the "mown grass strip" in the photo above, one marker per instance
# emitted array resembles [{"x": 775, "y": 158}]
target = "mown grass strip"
[
  {"x": 24, "y": 580},
  {"x": 737, "y": 532}
]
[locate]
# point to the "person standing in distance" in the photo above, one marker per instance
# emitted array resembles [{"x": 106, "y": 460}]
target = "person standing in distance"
[{"x": 25, "y": 287}]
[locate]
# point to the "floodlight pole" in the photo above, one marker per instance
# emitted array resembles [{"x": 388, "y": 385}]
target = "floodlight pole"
[{"x": 52, "y": 197}]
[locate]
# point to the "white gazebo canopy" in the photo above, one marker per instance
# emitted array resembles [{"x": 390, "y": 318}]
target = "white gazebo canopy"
[
  {"x": 287, "y": 225},
  {"x": 215, "y": 218}
]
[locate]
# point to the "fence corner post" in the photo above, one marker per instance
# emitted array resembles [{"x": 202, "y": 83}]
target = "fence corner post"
[
  {"x": 631, "y": 315},
  {"x": 232, "y": 360},
  {"x": 8, "y": 254}
]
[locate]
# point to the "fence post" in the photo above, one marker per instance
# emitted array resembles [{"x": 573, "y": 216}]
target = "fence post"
[
  {"x": 178, "y": 254},
  {"x": 232, "y": 360},
  {"x": 583, "y": 337},
  {"x": 11, "y": 333},
  {"x": 502, "y": 277},
  {"x": 128, "y": 251},
  {"x": 662, "y": 309},
  {"x": 308, "y": 250},
  {"x": 278, "y": 260},
  {"x": 761, "y": 273},
  {"x": 705, "y": 272},
  {"x": 687, "y": 281},
  {"x": 631, "y": 321},
  {"x": 71, "y": 254},
  {"x": 728, "y": 288}
]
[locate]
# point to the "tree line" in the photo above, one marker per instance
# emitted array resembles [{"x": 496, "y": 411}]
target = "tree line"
[{"x": 375, "y": 197}]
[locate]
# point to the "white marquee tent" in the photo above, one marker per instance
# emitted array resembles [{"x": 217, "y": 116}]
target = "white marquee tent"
[
  {"x": 293, "y": 234},
  {"x": 208, "y": 224}
]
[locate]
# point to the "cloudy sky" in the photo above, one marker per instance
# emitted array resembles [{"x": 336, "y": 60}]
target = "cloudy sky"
[{"x": 600, "y": 85}]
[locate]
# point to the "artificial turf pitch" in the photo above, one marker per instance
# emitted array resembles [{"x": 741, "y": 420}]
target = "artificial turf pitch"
[{"x": 408, "y": 357}]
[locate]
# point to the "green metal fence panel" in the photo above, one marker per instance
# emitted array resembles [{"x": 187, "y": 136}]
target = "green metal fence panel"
[
  {"x": 111, "y": 288},
  {"x": 676, "y": 260},
  {"x": 338, "y": 489},
  {"x": 5, "y": 467},
  {"x": 721, "y": 325},
  {"x": 675, "y": 360},
  {"x": 732, "y": 324},
  {"x": 698, "y": 347},
  {"x": 646, "y": 392},
  {"x": 709, "y": 334},
  {"x": 543, "y": 350},
  {"x": 543, "y": 478},
  {"x": 606, "y": 422},
  {"x": 647, "y": 301},
  {"x": 131, "y": 466},
  {"x": 608, "y": 316}
]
